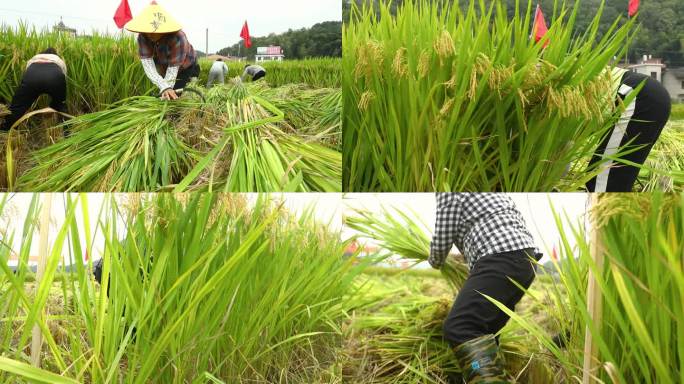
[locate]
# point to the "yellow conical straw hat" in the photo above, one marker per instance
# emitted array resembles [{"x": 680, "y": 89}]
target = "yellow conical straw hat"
[{"x": 153, "y": 19}]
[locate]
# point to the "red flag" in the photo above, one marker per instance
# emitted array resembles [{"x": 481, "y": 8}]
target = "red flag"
[
  {"x": 123, "y": 14},
  {"x": 539, "y": 29},
  {"x": 245, "y": 35},
  {"x": 633, "y": 7}
]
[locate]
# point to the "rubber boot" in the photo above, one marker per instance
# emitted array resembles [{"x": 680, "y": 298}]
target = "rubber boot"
[{"x": 480, "y": 361}]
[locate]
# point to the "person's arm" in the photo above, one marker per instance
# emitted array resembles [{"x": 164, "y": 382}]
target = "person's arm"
[
  {"x": 153, "y": 75},
  {"x": 445, "y": 233},
  {"x": 225, "y": 69},
  {"x": 171, "y": 74},
  {"x": 244, "y": 75},
  {"x": 146, "y": 53}
]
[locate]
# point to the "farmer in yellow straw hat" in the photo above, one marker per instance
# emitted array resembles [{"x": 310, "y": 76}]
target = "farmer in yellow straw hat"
[{"x": 164, "y": 49}]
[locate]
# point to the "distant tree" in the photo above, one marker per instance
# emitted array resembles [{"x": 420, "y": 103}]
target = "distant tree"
[{"x": 321, "y": 40}]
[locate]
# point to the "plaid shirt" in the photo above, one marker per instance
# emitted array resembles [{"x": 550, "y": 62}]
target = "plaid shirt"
[
  {"x": 172, "y": 50},
  {"x": 479, "y": 224}
]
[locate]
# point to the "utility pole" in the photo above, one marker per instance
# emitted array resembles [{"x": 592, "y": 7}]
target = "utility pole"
[{"x": 206, "y": 53}]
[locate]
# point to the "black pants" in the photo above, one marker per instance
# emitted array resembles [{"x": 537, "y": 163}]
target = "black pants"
[
  {"x": 184, "y": 75},
  {"x": 640, "y": 126},
  {"x": 39, "y": 78},
  {"x": 259, "y": 75},
  {"x": 473, "y": 315}
]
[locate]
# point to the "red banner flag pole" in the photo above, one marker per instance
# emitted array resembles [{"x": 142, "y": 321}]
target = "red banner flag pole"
[
  {"x": 633, "y": 7},
  {"x": 245, "y": 35},
  {"x": 539, "y": 29},
  {"x": 123, "y": 14}
]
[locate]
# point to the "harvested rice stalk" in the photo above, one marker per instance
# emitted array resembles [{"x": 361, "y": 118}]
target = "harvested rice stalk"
[
  {"x": 131, "y": 147},
  {"x": 405, "y": 235},
  {"x": 264, "y": 155},
  {"x": 664, "y": 169}
]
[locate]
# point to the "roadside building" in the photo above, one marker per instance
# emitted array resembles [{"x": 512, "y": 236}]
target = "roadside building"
[
  {"x": 672, "y": 78},
  {"x": 272, "y": 53}
]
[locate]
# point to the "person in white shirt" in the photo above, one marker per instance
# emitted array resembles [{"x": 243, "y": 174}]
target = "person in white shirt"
[
  {"x": 217, "y": 72},
  {"x": 45, "y": 74}
]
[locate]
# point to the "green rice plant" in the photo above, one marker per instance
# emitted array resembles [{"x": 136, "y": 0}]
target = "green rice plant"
[
  {"x": 677, "y": 112},
  {"x": 101, "y": 69},
  {"x": 195, "y": 288},
  {"x": 131, "y": 147},
  {"x": 447, "y": 97},
  {"x": 640, "y": 287},
  {"x": 403, "y": 234},
  {"x": 317, "y": 72}
]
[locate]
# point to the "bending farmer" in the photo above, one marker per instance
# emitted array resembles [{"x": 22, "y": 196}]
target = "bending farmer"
[
  {"x": 491, "y": 233},
  {"x": 256, "y": 71},
  {"x": 639, "y": 127},
  {"x": 45, "y": 74},
  {"x": 217, "y": 72},
  {"x": 164, "y": 49}
]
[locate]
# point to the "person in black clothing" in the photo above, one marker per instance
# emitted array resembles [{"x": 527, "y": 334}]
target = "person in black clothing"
[
  {"x": 45, "y": 74},
  {"x": 638, "y": 129},
  {"x": 490, "y": 232}
]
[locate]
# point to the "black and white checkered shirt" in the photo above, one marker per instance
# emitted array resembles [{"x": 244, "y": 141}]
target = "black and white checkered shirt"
[{"x": 479, "y": 224}]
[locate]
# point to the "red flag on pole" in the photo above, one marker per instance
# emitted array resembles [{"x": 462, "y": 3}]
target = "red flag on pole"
[
  {"x": 123, "y": 14},
  {"x": 245, "y": 35},
  {"x": 633, "y": 7},
  {"x": 539, "y": 29}
]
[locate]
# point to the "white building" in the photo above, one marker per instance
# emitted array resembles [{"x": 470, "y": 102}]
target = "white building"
[
  {"x": 671, "y": 78},
  {"x": 272, "y": 53},
  {"x": 673, "y": 81}
]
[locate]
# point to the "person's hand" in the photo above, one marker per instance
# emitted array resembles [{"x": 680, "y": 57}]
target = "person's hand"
[
  {"x": 434, "y": 264},
  {"x": 169, "y": 94}
]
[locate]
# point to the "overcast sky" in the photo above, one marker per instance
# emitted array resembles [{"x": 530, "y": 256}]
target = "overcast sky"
[{"x": 223, "y": 18}]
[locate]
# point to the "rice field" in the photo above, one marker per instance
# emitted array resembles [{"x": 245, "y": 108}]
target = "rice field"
[
  {"x": 456, "y": 97},
  {"x": 634, "y": 257},
  {"x": 281, "y": 134},
  {"x": 234, "y": 289},
  {"x": 195, "y": 288}
]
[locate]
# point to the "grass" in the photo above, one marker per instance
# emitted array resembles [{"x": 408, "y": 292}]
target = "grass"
[
  {"x": 442, "y": 97},
  {"x": 201, "y": 287}
]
